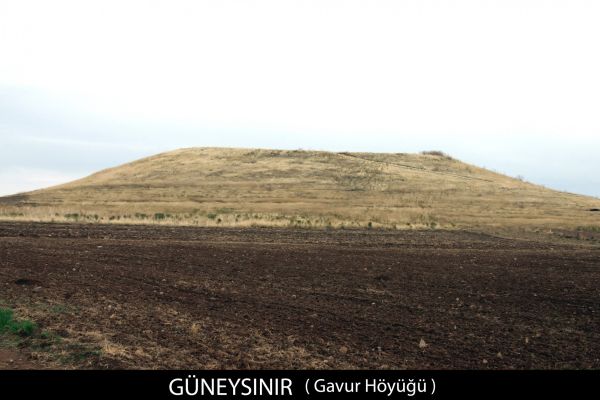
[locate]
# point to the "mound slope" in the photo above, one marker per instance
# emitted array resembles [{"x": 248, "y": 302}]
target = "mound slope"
[{"x": 217, "y": 186}]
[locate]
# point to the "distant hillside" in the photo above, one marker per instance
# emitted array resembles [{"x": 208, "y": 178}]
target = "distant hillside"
[{"x": 240, "y": 187}]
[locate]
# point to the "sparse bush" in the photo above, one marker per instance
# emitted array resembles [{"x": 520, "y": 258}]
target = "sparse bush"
[
  {"x": 211, "y": 215},
  {"x": 159, "y": 216},
  {"x": 434, "y": 153}
]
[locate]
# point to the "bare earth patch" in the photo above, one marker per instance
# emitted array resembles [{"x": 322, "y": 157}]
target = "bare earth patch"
[
  {"x": 117, "y": 296},
  {"x": 12, "y": 360}
]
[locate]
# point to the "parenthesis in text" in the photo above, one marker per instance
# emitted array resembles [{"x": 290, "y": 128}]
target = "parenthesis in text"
[
  {"x": 306, "y": 386},
  {"x": 433, "y": 382}
]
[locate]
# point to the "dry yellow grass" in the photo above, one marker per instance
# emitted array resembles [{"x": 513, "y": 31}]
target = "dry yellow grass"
[{"x": 242, "y": 187}]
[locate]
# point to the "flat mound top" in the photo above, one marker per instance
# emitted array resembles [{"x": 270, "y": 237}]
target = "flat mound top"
[{"x": 222, "y": 186}]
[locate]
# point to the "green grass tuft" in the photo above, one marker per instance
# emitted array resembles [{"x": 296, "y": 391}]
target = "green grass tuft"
[
  {"x": 16, "y": 327},
  {"x": 6, "y": 316}
]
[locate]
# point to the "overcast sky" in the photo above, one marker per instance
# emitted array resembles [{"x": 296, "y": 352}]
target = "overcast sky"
[{"x": 513, "y": 86}]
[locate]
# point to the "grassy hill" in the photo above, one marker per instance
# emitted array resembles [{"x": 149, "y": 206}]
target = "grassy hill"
[{"x": 241, "y": 187}]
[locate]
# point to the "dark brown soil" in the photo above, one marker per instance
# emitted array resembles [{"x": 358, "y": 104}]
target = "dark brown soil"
[
  {"x": 14, "y": 360},
  {"x": 162, "y": 297}
]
